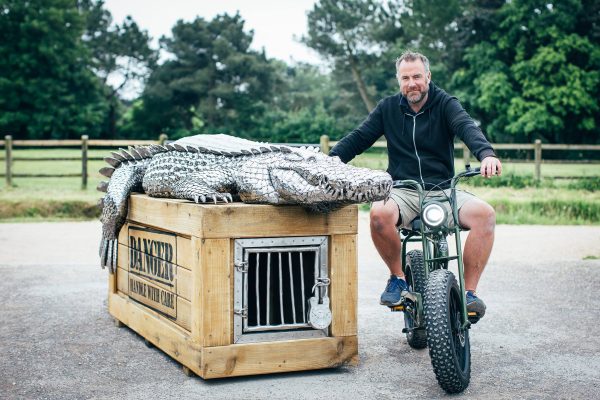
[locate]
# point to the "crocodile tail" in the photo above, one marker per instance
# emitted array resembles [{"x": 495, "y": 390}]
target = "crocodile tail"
[{"x": 126, "y": 171}]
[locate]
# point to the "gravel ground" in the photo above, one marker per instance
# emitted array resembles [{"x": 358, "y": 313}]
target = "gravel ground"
[{"x": 539, "y": 339}]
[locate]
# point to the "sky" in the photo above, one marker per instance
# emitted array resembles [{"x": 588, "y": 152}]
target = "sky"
[{"x": 277, "y": 25}]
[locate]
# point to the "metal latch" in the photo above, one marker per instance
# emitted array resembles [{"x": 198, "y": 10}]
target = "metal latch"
[
  {"x": 243, "y": 312},
  {"x": 242, "y": 266}
]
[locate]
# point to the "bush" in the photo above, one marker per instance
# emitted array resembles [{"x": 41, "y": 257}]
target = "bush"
[
  {"x": 510, "y": 180},
  {"x": 590, "y": 184}
]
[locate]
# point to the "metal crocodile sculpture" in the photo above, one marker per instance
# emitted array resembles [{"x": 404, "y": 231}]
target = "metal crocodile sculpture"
[{"x": 221, "y": 168}]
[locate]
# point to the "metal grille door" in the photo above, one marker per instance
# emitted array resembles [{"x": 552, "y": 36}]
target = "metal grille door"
[{"x": 274, "y": 278}]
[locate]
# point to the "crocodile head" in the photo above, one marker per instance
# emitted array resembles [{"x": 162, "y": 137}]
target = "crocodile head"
[{"x": 308, "y": 177}]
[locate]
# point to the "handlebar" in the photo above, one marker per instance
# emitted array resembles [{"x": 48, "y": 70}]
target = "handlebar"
[{"x": 409, "y": 183}]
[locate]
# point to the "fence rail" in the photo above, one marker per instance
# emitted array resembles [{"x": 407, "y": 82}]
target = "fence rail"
[
  {"x": 84, "y": 143},
  {"x": 537, "y": 148}
]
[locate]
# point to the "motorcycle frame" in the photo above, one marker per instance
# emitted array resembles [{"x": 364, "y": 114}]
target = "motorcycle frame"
[{"x": 426, "y": 236}]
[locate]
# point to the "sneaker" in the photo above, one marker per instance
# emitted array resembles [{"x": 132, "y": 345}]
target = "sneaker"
[
  {"x": 392, "y": 295},
  {"x": 475, "y": 304}
]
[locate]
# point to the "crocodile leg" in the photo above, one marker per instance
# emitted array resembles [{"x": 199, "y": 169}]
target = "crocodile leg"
[{"x": 205, "y": 186}]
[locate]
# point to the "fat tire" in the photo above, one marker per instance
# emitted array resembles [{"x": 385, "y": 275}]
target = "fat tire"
[
  {"x": 451, "y": 361},
  {"x": 414, "y": 269}
]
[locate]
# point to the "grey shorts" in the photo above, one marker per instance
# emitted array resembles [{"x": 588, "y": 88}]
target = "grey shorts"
[{"x": 408, "y": 203}]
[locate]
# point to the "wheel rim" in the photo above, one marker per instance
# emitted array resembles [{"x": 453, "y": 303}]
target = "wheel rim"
[{"x": 459, "y": 335}]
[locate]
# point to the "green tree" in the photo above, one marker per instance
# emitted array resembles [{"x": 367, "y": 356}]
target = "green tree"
[
  {"x": 538, "y": 76},
  {"x": 47, "y": 90},
  {"x": 120, "y": 55},
  {"x": 213, "y": 83},
  {"x": 341, "y": 31}
]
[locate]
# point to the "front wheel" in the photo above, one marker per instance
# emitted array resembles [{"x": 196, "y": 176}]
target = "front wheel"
[{"x": 448, "y": 343}]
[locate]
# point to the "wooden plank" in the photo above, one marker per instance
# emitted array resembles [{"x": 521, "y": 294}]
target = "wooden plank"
[
  {"x": 216, "y": 304},
  {"x": 247, "y": 220},
  {"x": 182, "y": 282},
  {"x": 176, "y": 249},
  {"x": 157, "y": 329},
  {"x": 589, "y": 147},
  {"x": 271, "y": 357},
  {"x": 183, "y": 306},
  {"x": 172, "y": 215},
  {"x": 343, "y": 272},
  {"x": 185, "y": 257},
  {"x": 47, "y": 143},
  {"x": 120, "y": 143},
  {"x": 153, "y": 296},
  {"x": 513, "y": 146},
  {"x": 239, "y": 219},
  {"x": 122, "y": 281},
  {"x": 196, "y": 296}
]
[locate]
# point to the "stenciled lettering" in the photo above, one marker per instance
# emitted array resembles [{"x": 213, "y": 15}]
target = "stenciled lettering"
[{"x": 152, "y": 258}]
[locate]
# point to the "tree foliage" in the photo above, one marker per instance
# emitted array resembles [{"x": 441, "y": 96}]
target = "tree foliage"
[
  {"x": 213, "y": 81},
  {"x": 121, "y": 56},
  {"x": 524, "y": 69},
  {"x": 538, "y": 76},
  {"x": 47, "y": 89},
  {"x": 341, "y": 30}
]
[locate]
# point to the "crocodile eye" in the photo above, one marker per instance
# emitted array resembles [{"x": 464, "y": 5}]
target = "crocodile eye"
[{"x": 311, "y": 159}]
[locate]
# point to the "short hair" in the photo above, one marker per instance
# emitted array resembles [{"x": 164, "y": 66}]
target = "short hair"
[{"x": 412, "y": 56}]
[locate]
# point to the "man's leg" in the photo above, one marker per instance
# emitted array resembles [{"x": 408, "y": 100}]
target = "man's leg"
[
  {"x": 384, "y": 218},
  {"x": 480, "y": 218}
]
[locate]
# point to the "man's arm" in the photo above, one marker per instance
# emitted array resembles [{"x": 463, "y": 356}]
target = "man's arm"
[
  {"x": 361, "y": 138},
  {"x": 465, "y": 128}
]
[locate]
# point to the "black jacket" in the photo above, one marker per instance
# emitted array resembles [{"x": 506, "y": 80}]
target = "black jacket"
[{"x": 420, "y": 146}]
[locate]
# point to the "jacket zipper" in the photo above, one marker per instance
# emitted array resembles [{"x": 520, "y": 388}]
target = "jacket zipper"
[{"x": 415, "y": 144}]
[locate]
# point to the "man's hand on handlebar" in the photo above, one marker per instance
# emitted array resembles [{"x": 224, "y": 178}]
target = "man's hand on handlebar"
[{"x": 491, "y": 166}]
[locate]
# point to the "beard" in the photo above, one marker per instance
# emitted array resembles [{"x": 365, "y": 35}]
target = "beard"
[{"x": 415, "y": 98}]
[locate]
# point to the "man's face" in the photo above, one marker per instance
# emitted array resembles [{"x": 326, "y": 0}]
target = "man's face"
[{"x": 413, "y": 80}]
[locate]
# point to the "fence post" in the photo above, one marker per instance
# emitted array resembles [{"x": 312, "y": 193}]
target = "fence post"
[
  {"x": 324, "y": 144},
  {"x": 466, "y": 154},
  {"x": 84, "y": 161},
  {"x": 8, "y": 149},
  {"x": 538, "y": 159},
  {"x": 162, "y": 139}
]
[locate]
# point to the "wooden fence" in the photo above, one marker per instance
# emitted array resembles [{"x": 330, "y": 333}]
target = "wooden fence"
[
  {"x": 537, "y": 148},
  {"x": 84, "y": 143}
]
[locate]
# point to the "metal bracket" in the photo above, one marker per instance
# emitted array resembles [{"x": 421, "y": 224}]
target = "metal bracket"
[
  {"x": 241, "y": 312},
  {"x": 242, "y": 266}
]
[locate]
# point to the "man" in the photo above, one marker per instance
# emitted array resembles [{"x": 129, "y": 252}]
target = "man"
[{"x": 420, "y": 124}]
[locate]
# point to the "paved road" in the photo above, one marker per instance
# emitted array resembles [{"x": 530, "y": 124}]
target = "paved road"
[{"x": 539, "y": 339}]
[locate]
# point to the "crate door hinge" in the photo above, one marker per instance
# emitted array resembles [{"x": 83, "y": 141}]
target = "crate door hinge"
[
  {"x": 242, "y": 266},
  {"x": 243, "y": 312}
]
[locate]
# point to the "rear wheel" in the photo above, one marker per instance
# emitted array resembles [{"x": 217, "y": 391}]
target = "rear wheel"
[
  {"x": 449, "y": 346},
  {"x": 414, "y": 270}
]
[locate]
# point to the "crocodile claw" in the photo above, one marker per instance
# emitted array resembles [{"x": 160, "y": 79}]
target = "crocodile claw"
[{"x": 108, "y": 254}]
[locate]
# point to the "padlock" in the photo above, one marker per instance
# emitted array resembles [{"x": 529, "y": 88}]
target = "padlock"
[{"x": 319, "y": 314}]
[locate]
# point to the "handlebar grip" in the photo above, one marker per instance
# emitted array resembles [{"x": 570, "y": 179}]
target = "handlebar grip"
[{"x": 472, "y": 172}]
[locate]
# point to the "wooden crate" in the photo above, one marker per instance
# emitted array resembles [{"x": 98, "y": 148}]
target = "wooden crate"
[{"x": 174, "y": 284}]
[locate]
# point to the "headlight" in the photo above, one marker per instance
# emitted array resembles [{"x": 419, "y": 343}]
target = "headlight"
[{"x": 434, "y": 215}]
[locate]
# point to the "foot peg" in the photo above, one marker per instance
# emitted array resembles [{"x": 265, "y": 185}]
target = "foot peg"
[{"x": 473, "y": 317}]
